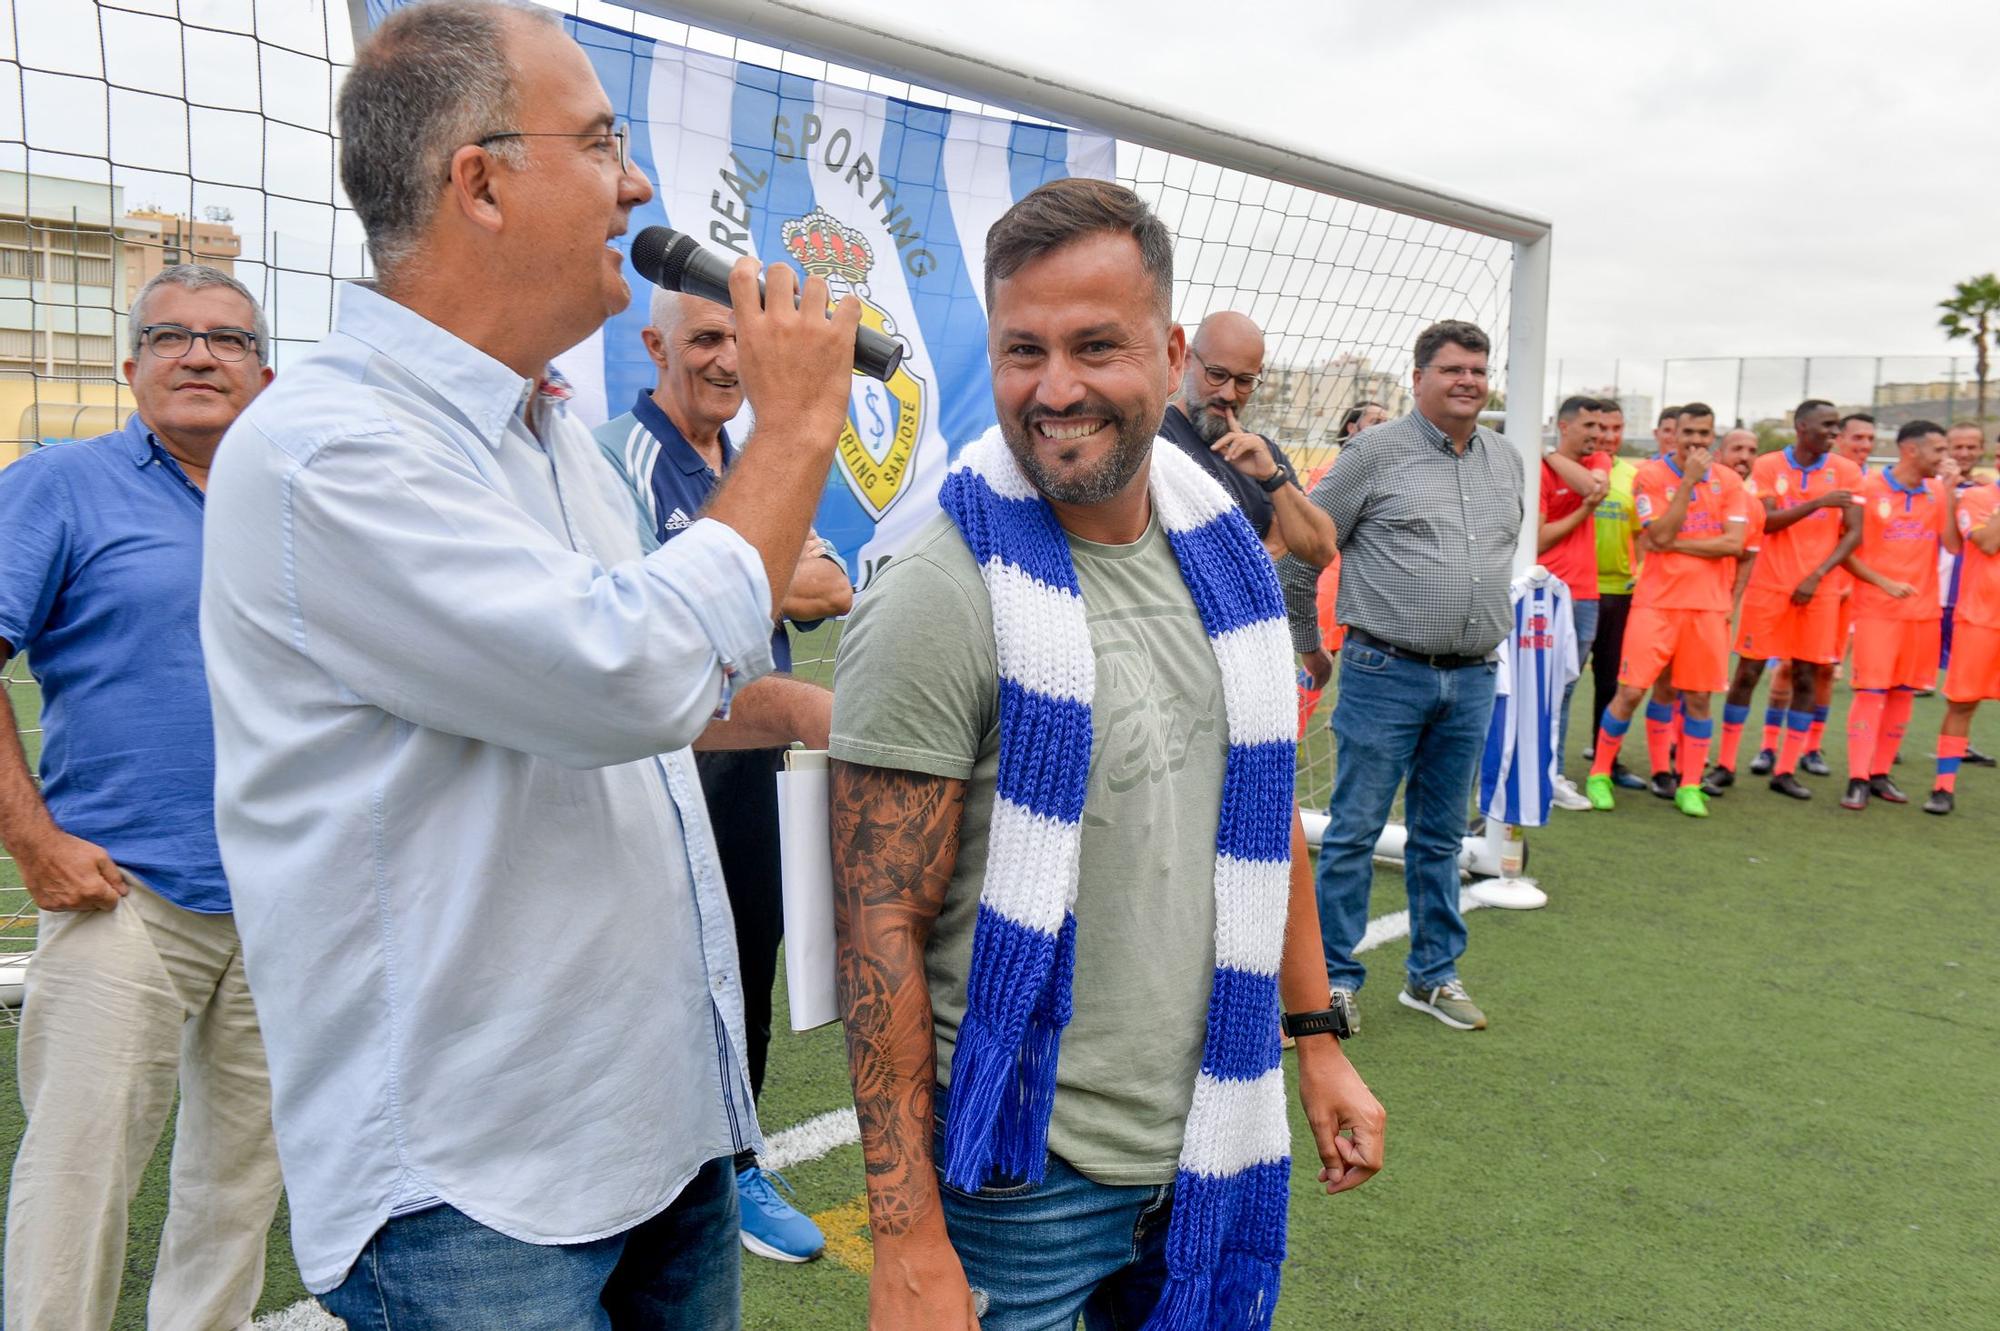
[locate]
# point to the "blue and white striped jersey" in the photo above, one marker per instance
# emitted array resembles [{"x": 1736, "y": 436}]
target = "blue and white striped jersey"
[{"x": 1537, "y": 661}]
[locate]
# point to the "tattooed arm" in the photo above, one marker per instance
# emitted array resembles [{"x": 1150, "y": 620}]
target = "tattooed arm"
[{"x": 895, "y": 842}]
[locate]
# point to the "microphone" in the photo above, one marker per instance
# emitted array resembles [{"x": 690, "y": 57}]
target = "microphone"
[{"x": 674, "y": 260}]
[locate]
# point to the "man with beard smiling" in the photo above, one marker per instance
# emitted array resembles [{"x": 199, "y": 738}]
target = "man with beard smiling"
[
  {"x": 1225, "y": 363},
  {"x": 672, "y": 449},
  {"x": 1071, "y": 891}
]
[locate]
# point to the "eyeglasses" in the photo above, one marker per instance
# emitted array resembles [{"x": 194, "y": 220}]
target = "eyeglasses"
[
  {"x": 614, "y": 139},
  {"x": 172, "y": 341},
  {"x": 1217, "y": 376}
]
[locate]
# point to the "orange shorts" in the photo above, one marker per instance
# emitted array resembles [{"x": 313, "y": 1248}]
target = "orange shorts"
[
  {"x": 1845, "y": 623},
  {"x": 1975, "y": 664},
  {"x": 1695, "y": 641},
  {"x": 1773, "y": 627},
  {"x": 1896, "y": 653}
]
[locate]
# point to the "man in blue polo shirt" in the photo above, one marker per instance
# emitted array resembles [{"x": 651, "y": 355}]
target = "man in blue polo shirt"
[
  {"x": 137, "y": 980},
  {"x": 671, "y": 449}
]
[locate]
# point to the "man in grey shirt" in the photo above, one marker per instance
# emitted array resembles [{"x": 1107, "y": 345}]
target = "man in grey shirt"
[
  {"x": 927, "y": 801},
  {"x": 1429, "y": 510}
]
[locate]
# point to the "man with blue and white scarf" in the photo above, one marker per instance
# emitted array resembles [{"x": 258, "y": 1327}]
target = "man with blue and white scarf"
[{"x": 1070, "y": 883}]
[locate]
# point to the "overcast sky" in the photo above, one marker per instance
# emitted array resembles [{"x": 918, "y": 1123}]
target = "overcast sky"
[
  {"x": 1726, "y": 177},
  {"x": 1750, "y": 177}
]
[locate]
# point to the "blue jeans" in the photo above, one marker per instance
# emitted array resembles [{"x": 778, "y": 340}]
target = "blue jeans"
[
  {"x": 1585, "y": 615},
  {"x": 1043, "y": 1253},
  {"x": 1400, "y": 721},
  {"x": 441, "y": 1270}
]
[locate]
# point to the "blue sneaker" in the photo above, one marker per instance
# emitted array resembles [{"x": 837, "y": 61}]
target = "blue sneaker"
[{"x": 772, "y": 1226}]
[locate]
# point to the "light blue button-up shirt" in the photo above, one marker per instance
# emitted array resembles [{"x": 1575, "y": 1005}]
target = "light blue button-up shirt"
[{"x": 479, "y": 900}]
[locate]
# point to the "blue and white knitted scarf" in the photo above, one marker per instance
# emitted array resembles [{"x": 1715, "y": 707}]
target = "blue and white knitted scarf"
[{"x": 1226, "y": 1241}]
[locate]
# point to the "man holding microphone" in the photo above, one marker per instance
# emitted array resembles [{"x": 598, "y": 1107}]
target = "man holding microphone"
[{"x": 454, "y": 699}]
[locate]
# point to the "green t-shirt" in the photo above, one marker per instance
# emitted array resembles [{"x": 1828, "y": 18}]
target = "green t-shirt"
[
  {"x": 1617, "y": 531},
  {"x": 916, "y": 687}
]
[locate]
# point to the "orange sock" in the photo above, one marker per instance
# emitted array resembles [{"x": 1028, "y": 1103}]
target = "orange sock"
[
  {"x": 1864, "y": 725},
  {"x": 1951, "y": 750},
  {"x": 1610, "y": 734},
  {"x": 1895, "y": 723},
  {"x": 1660, "y": 736},
  {"x": 1730, "y": 743},
  {"x": 1797, "y": 726}
]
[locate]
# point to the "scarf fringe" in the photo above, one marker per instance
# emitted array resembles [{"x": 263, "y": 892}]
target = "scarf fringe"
[
  {"x": 1184, "y": 1305},
  {"x": 1242, "y": 1295},
  {"x": 982, "y": 1073},
  {"x": 1021, "y": 1137}
]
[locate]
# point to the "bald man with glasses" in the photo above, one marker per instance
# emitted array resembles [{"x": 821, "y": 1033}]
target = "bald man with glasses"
[{"x": 1225, "y": 366}]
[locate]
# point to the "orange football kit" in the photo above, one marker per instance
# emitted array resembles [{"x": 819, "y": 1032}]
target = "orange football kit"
[{"x": 1772, "y": 625}]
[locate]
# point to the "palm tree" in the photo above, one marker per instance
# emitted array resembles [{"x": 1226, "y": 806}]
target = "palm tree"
[{"x": 1971, "y": 313}]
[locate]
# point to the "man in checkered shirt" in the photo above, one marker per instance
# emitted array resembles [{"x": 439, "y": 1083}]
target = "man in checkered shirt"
[{"x": 1429, "y": 510}]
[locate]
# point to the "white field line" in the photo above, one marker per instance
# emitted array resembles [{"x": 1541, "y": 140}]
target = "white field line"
[
  {"x": 811, "y": 1139},
  {"x": 827, "y": 1133},
  {"x": 305, "y": 1315},
  {"x": 1388, "y": 928}
]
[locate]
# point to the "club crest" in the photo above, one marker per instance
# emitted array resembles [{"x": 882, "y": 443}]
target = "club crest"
[{"x": 878, "y": 445}]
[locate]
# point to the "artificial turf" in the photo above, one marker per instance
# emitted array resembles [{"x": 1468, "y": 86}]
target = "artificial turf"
[{"x": 1741, "y": 1073}]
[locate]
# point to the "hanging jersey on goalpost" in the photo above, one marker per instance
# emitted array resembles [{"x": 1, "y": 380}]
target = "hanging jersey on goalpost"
[{"x": 1537, "y": 662}]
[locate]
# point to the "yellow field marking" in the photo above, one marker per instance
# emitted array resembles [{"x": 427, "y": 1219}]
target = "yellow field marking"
[{"x": 846, "y": 1230}]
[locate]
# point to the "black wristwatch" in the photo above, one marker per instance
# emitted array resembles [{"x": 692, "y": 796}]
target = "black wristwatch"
[
  {"x": 1330, "y": 1021},
  {"x": 1270, "y": 484}
]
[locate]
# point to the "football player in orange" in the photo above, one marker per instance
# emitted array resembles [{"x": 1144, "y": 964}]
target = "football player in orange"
[
  {"x": 1856, "y": 441},
  {"x": 1908, "y": 512},
  {"x": 1694, "y": 523},
  {"x": 1737, "y": 451},
  {"x": 1789, "y": 612},
  {"x": 1665, "y": 431},
  {"x": 1966, "y": 444},
  {"x": 1974, "y": 675}
]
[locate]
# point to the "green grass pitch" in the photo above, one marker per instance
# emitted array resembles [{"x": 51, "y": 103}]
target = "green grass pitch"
[{"x": 1741, "y": 1073}]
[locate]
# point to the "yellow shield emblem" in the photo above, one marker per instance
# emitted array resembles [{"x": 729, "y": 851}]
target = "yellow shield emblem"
[
  {"x": 878, "y": 445},
  {"x": 885, "y": 421}
]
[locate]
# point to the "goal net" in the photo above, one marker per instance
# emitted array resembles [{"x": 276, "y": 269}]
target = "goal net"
[{"x": 140, "y": 133}]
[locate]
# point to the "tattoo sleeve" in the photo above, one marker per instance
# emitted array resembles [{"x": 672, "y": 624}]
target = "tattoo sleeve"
[{"x": 895, "y": 842}]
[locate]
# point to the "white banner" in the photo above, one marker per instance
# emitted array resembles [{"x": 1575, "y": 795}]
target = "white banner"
[{"x": 885, "y": 198}]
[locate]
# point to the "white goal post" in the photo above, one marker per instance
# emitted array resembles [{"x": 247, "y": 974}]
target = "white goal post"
[
  {"x": 1060, "y": 96},
  {"x": 823, "y": 32}
]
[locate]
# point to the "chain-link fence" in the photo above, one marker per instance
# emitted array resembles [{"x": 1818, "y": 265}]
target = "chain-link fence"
[{"x": 1759, "y": 392}]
